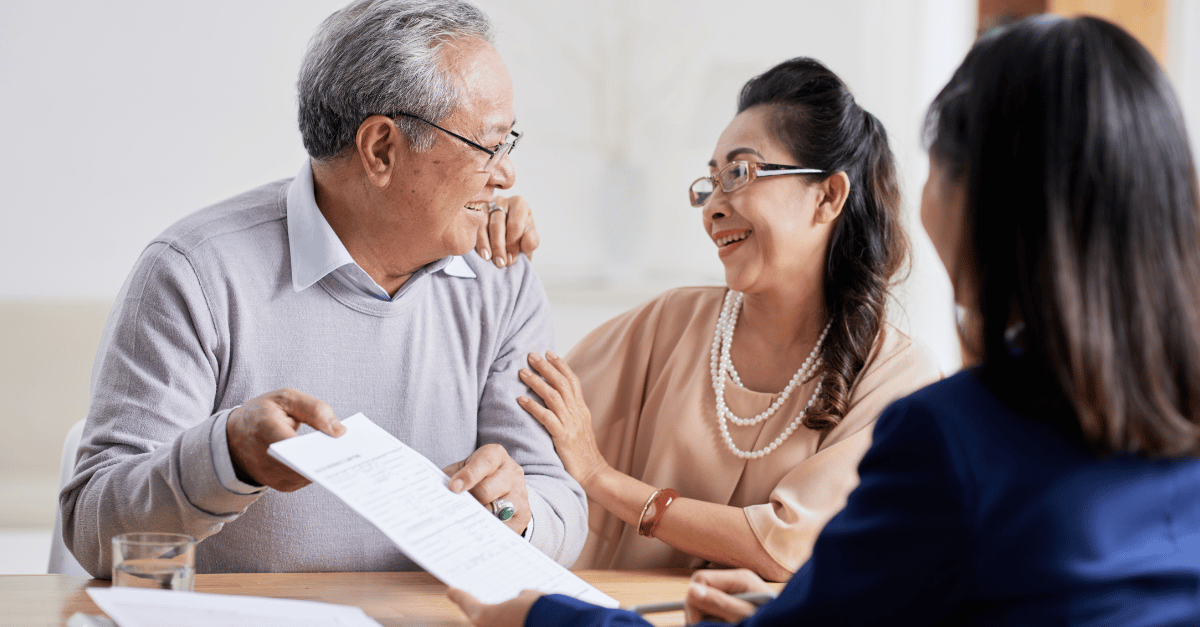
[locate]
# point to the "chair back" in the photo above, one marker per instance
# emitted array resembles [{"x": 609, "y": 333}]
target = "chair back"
[{"x": 61, "y": 560}]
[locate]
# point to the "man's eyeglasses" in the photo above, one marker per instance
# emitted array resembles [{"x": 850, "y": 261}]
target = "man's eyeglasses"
[
  {"x": 495, "y": 153},
  {"x": 737, "y": 175}
]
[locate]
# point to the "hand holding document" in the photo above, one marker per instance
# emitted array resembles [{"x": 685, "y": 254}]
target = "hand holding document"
[{"x": 405, "y": 495}]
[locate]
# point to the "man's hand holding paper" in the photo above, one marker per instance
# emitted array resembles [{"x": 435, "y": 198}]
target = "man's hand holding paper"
[
  {"x": 407, "y": 497},
  {"x": 267, "y": 419},
  {"x": 490, "y": 474}
]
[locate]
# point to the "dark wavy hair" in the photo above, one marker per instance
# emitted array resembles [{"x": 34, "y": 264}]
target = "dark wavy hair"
[
  {"x": 816, "y": 119},
  {"x": 1083, "y": 218}
]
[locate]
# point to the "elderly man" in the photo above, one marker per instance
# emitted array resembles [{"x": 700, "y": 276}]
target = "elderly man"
[{"x": 341, "y": 290}]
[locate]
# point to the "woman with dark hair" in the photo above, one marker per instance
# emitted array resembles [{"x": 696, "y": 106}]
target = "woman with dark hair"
[
  {"x": 1058, "y": 481},
  {"x": 746, "y": 408}
]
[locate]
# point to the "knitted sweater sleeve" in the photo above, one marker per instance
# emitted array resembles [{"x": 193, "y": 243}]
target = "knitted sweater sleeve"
[
  {"x": 146, "y": 461},
  {"x": 557, "y": 502}
]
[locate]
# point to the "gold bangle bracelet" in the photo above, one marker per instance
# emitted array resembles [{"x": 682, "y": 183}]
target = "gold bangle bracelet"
[
  {"x": 646, "y": 508},
  {"x": 652, "y": 512}
]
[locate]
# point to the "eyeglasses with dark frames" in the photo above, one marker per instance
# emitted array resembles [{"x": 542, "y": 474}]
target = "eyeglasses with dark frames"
[
  {"x": 495, "y": 153},
  {"x": 738, "y": 174}
]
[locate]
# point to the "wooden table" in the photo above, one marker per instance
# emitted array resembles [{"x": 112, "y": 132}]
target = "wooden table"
[{"x": 390, "y": 598}]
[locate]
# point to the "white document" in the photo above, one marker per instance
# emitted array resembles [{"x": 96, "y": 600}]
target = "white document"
[
  {"x": 140, "y": 607},
  {"x": 406, "y": 496}
]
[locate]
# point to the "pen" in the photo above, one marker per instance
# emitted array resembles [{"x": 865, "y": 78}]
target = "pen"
[{"x": 755, "y": 598}]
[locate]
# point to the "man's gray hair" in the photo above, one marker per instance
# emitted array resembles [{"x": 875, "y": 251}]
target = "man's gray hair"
[{"x": 382, "y": 57}]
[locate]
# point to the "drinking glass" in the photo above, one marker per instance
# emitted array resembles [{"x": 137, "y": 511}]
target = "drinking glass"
[{"x": 154, "y": 560}]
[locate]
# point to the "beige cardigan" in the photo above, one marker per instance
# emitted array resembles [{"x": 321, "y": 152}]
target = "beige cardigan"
[{"x": 646, "y": 379}]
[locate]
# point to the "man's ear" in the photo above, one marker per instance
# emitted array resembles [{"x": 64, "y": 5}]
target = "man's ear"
[
  {"x": 377, "y": 144},
  {"x": 834, "y": 191}
]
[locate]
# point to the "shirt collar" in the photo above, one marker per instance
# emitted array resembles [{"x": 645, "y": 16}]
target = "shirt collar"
[
  {"x": 457, "y": 266},
  {"x": 316, "y": 250}
]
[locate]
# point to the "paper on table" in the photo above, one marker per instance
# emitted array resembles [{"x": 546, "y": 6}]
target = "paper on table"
[
  {"x": 140, "y": 607},
  {"x": 405, "y": 495}
]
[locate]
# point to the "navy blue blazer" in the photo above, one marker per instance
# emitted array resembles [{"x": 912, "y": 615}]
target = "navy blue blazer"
[{"x": 970, "y": 513}]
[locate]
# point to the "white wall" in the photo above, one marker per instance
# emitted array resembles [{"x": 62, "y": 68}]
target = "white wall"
[
  {"x": 121, "y": 117},
  {"x": 1183, "y": 61}
]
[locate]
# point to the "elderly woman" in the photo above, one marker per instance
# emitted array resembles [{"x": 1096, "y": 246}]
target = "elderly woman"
[
  {"x": 724, "y": 424},
  {"x": 1058, "y": 482}
]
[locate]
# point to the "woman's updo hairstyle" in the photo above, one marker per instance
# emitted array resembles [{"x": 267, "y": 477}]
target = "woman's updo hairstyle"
[{"x": 816, "y": 119}]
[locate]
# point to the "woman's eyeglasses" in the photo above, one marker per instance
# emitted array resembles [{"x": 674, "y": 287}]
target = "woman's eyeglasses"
[{"x": 737, "y": 175}]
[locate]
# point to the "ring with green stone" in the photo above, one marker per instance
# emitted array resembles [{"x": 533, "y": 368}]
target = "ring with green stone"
[{"x": 503, "y": 509}]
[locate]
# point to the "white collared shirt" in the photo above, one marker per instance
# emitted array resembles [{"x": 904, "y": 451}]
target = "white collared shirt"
[{"x": 317, "y": 251}]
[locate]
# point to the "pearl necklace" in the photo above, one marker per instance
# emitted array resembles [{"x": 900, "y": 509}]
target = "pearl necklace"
[{"x": 720, "y": 364}]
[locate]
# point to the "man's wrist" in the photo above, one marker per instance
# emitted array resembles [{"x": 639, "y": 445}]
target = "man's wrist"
[
  {"x": 241, "y": 473},
  {"x": 228, "y": 474}
]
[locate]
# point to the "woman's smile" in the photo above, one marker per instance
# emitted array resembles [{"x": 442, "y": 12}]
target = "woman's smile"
[{"x": 730, "y": 240}]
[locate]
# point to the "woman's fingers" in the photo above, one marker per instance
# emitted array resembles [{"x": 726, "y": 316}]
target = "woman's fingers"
[
  {"x": 564, "y": 369},
  {"x": 548, "y": 418},
  {"x": 704, "y": 601},
  {"x": 509, "y": 231},
  {"x": 552, "y": 374},
  {"x": 466, "y": 602},
  {"x": 530, "y": 241},
  {"x": 733, "y": 580},
  {"x": 565, "y": 416},
  {"x": 710, "y": 594},
  {"x": 521, "y": 232},
  {"x": 541, "y": 387},
  {"x": 511, "y": 613},
  {"x": 497, "y": 228},
  {"x": 483, "y": 245}
]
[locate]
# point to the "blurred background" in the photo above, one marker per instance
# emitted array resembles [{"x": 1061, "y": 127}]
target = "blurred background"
[{"x": 120, "y": 117}]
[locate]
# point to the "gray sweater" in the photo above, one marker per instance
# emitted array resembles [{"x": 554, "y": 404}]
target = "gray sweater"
[{"x": 208, "y": 319}]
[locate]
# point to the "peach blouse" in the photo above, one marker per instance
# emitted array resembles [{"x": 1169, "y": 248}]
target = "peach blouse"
[{"x": 646, "y": 380}]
